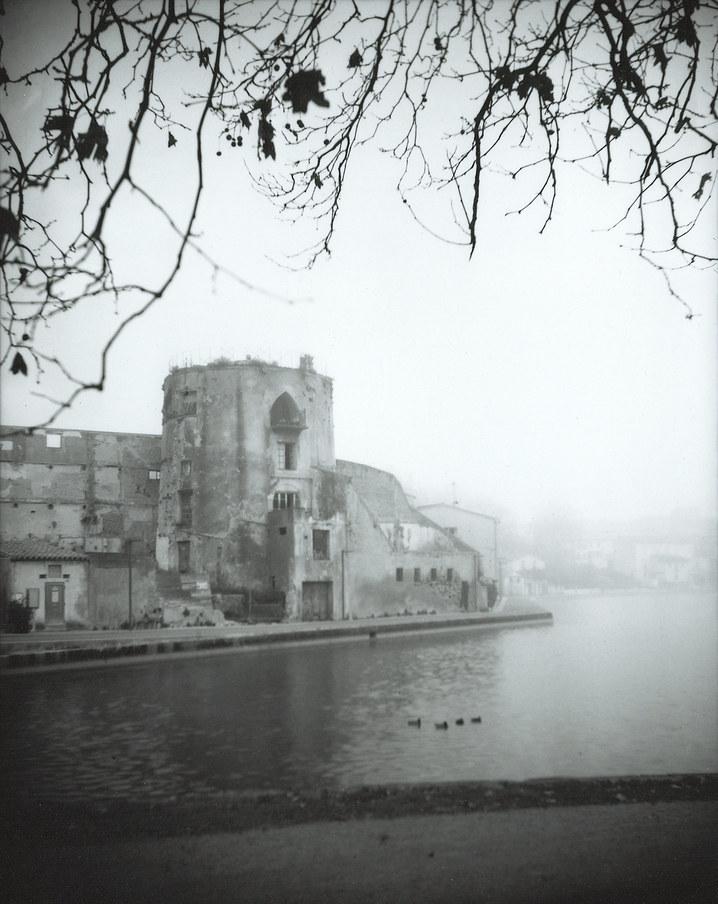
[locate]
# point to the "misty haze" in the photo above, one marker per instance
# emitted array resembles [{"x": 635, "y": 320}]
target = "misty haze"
[{"x": 358, "y": 459}]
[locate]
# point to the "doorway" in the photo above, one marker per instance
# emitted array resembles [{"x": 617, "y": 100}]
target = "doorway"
[
  {"x": 54, "y": 605},
  {"x": 316, "y": 601}
]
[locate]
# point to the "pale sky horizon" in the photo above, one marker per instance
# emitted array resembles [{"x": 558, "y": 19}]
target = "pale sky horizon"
[{"x": 550, "y": 371}]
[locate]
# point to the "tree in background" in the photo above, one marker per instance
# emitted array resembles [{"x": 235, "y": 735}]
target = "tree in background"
[{"x": 458, "y": 92}]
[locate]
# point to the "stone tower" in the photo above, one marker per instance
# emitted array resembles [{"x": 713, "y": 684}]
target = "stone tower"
[{"x": 247, "y": 463}]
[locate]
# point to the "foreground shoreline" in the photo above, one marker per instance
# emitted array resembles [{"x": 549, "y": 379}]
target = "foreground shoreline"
[
  {"x": 239, "y": 811},
  {"x": 19, "y": 653},
  {"x": 647, "y": 839}
]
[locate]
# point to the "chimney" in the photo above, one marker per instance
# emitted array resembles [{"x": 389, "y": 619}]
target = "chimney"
[{"x": 306, "y": 363}]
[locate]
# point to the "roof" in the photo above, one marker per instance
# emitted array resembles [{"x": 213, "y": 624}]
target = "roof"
[
  {"x": 33, "y": 549},
  {"x": 458, "y": 508}
]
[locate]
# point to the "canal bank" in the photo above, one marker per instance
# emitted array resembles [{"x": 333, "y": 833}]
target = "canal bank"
[
  {"x": 66, "y": 649},
  {"x": 634, "y": 838}
]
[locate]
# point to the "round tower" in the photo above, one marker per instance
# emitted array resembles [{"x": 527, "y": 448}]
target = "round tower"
[{"x": 240, "y": 439}]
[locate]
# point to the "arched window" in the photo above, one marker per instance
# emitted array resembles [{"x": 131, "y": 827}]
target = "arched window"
[{"x": 285, "y": 414}]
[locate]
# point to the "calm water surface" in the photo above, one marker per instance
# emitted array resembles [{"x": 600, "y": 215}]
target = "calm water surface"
[{"x": 619, "y": 684}]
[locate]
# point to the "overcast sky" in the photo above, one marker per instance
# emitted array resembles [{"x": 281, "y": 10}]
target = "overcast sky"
[{"x": 550, "y": 371}]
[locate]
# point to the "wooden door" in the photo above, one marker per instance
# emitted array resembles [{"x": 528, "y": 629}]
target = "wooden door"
[
  {"x": 317, "y": 601},
  {"x": 54, "y": 605}
]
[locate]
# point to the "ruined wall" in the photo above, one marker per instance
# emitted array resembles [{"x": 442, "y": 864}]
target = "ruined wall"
[
  {"x": 220, "y": 465},
  {"x": 79, "y": 489},
  {"x": 108, "y": 588},
  {"x": 370, "y": 570}
]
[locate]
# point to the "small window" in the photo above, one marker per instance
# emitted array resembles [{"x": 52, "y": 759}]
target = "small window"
[
  {"x": 183, "y": 556},
  {"x": 6, "y": 445},
  {"x": 320, "y": 544},
  {"x": 186, "y": 468},
  {"x": 286, "y": 456},
  {"x": 282, "y": 531},
  {"x": 433, "y": 574},
  {"x": 54, "y": 570},
  {"x": 285, "y": 501},
  {"x": 451, "y": 530},
  {"x": 53, "y": 440},
  {"x": 50, "y": 505},
  {"x": 185, "y": 502},
  {"x": 417, "y": 575},
  {"x": 400, "y": 574},
  {"x": 153, "y": 475},
  {"x": 189, "y": 402}
]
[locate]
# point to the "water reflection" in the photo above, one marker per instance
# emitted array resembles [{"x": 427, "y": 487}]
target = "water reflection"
[{"x": 617, "y": 685}]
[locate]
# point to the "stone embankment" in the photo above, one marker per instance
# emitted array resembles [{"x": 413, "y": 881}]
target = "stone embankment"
[{"x": 70, "y": 648}]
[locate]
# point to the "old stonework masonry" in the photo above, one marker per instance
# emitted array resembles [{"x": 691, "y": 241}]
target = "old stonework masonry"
[{"x": 239, "y": 509}]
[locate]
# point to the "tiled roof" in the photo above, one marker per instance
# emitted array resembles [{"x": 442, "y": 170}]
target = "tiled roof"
[{"x": 39, "y": 549}]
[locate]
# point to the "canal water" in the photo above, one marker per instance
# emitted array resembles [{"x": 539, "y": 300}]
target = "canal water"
[{"x": 618, "y": 684}]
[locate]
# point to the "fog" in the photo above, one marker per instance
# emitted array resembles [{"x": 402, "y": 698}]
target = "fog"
[{"x": 549, "y": 372}]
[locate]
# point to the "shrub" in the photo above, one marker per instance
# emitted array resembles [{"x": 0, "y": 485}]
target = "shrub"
[{"x": 19, "y": 618}]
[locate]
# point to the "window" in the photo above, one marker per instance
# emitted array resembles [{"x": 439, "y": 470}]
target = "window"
[
  {"x": 54, "y": 570},
  {"x": 185, "y": 501},
  {"x": 282, "y": 531},
  {"x": 451, "y": 530},
  {"x": 320, "y": 544},
  {"x": 285, "y": 501},
  {"x": 449, "y": 574},
  {"x": 183, "y": 556},
  {"x": 286, "y": 456},
  {"x": 6, "y": 445},
  {"x": 417, "y": 575},
  {"x": 186, "y": 468},
  {"x": 433, "y": 574},
  {"x": 153, "y": 475},
  {"x": 53, "y": 440},
  {"x": 400, "y": 574},
  {"x": 189, "y": 402}
]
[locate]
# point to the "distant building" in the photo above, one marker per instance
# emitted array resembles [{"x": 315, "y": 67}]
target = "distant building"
[
  {"x": 477, "y": 530},
  {"x": 239, "y": 505}
]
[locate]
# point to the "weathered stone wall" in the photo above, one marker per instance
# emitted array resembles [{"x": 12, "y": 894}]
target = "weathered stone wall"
[
  {"x": 220, "y": 453},
  {"x": 108, "y": 588},
  {"x": 91, "y": 492},
  {"x": 370, "y": 570}
]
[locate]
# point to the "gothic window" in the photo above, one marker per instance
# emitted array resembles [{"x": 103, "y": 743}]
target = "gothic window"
[{"x": 285, "y": 414}]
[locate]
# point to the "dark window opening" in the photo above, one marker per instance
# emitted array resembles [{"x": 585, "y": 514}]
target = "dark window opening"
[
  {"x": 54, "y": 571},
  {"x": 449, "y": 574},
  {"x": 50, "y": 505},
  {"x": 285, "y": 501},
  {"x": 183, "y": 556},
  {"x": 185, "y": 503},
  {"x": 400, "y": 574},
  {"x": 189, "y": 402},
  {"x": 417, "y": 575},
  {"x": 433, "y": 574},
  {"x": 286, "y": 456},
  {"x": 320, "y": 543},
  {"x": 186, "y": 468},
  {"x": 451, "y": 530},
  {"x": 283, "y": 531}
]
